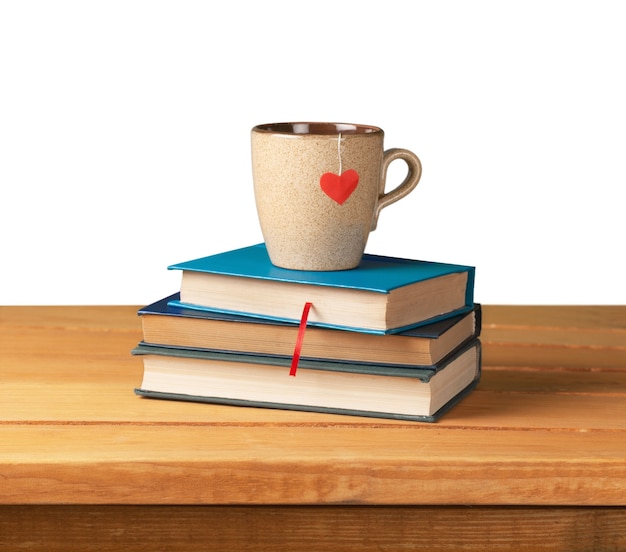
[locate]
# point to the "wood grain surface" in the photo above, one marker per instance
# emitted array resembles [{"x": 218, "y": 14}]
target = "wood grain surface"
[{"x": 533, "y": 459}]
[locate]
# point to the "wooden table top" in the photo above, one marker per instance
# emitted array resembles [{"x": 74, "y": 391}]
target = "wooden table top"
[{"x": 546, "y": 425}]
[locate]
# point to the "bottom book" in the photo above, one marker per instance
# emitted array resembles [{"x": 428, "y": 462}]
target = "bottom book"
[{"x": 416, "y": 393}]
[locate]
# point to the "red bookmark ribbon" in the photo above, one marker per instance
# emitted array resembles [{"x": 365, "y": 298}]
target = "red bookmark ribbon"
[{"x": 298, "y": 348}]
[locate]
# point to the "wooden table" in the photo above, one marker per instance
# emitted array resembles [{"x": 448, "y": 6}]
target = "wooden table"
[{"x": 533, "y": 459}]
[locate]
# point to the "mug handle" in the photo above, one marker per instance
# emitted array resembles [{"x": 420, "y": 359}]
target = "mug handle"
[{"x": 407, "y": 186}]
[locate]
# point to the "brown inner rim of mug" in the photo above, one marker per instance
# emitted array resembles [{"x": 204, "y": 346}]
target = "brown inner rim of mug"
[{"x": 317, "y": 128}]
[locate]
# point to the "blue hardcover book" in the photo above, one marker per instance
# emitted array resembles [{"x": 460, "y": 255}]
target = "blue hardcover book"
[
  {"x": 169, "y": 326},
  {"x": 382, "y": 295}
]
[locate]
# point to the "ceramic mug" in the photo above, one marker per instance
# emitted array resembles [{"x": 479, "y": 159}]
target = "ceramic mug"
[{"x": 319, "y": 189}]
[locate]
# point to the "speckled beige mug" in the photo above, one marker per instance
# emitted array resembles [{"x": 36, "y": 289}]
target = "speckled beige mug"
[{"x": 319, "y": 189}]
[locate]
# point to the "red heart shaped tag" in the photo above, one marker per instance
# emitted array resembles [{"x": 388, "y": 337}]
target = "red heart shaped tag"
[{"x": 339, "y": 187}]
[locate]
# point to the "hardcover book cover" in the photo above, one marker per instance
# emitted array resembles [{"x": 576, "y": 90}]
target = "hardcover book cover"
[
  {"x": 377, "y": 276},
  {"x": 422, "y": 345},
  {"x": 376, "y": 273},
  {"x": 348, "y": 388}
]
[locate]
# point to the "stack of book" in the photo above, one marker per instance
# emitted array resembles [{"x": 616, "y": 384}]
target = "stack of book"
[{"x": 392, "y": 338}]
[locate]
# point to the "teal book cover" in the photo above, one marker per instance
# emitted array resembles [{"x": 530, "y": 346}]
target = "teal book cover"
[
  {"x": 380, "y": 276},
  {"x": 376, "y": 273}
]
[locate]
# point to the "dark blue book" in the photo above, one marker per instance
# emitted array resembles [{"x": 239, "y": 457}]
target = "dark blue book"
[
  {"x": 382, "y": 295},
  {"x": 168, "y": 325}
]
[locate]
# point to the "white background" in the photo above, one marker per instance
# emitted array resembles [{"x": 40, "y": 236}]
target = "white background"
[{"x": 124, "y": 136}]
